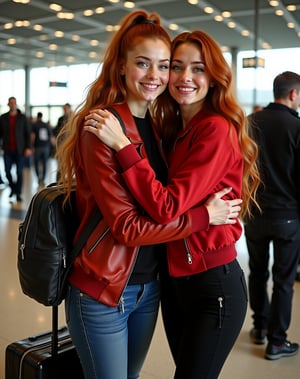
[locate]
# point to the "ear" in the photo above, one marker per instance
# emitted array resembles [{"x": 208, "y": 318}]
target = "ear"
[{"x": 293, "y": 94}]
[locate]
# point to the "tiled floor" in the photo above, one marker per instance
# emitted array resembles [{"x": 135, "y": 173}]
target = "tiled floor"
[{"x": 20, "y": 316}]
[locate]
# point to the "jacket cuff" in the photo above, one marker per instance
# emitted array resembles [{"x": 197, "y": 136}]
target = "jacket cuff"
[
  {"x": 128, "y": 156},
  {"x": 200, "y": 218}
]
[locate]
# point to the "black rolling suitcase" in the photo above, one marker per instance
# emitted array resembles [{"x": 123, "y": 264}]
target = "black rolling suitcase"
[{"x": 49, "y": 355}]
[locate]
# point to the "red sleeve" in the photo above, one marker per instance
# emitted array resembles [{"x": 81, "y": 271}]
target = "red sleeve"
[
  {"x": 128, "y": 156},
  {"x": 207, "y": 159},
  {"x": 99, "y": 182}
]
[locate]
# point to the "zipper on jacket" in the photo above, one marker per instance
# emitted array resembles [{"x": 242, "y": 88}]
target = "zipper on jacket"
[
  {"x": 220, "y": 300},
  {"x": 121, "y": 302},
  {"x": 98, "y": 240},
  {"x": 121, "y": 305},
  {"x": 188, "y": 252}
]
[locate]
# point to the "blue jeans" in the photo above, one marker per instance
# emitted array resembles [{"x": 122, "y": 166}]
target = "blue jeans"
[{"x": 112, "y": 343}]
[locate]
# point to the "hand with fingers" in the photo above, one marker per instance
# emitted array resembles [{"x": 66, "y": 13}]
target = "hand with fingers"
[
  {"x": 104, "y": 125},
  {"x": 222, "y": 211}
]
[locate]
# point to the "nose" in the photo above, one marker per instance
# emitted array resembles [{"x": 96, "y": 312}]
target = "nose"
[
  {"x": 152, "y": 73},
  {"x": 185, "y": 77}
]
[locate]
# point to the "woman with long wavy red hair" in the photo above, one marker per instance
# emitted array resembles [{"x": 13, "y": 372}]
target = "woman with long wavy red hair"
[
  {"x": 203, "y": 129},
  {"x": 112, "y": 307}
]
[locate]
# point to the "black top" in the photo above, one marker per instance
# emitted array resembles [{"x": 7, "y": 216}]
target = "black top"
[
  {"x": 43, "y": 133},
  {"x": 276, "y": 129},
  {"x": 146, "y": 267}
]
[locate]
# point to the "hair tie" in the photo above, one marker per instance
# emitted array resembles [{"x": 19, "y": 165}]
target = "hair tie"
[
  {"x": 142, "y": 20},
  {"x": 146, "y": 21}
]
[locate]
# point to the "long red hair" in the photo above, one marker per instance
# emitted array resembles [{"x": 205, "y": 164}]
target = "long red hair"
[
  {"x": 222, "y": 100},
  {"x": 108, "y": 88}
]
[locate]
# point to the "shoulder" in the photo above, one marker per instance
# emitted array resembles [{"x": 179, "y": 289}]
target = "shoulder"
[{"x": 213, "y": 123}]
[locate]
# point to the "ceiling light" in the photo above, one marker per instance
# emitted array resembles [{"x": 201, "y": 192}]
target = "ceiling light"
[
  {"x": 70, "y": 59},
  {"x": 65, "y": 15},
  {"x": 9, "y": 25},
  {"x": 291, "y": 25},
  {"x": 37, "y": 27},
  {"x": 40, "y": 54},
  {"x": 224, "y": 49},
  {"x": 226, "y": 14},
  {"x": 75, "y": 37},
  {"x": 208, "y": 10},
  {"x": 11, "y": 41},
  {"x": 114, "y": 1},
  {"x": 245, "y": 33},
  {"x": 19, "y": 23},
  {"x": 279, "y": 12},
  {"x": 291, "y": 8},
  {"x": 94, "y": 42},
  {"x": 274, "y": 3},
  {"x": 92, "y": 54},
  {"x": 265, "y": 45},
  {"x": 52, "y": 47},
  {"x": 109, "y": 28},
  {"x": 129, "y": 4},
  {"x": 231, "y": 24},
  {"x": 218, "y": 18},
  {"x": 100, "y": 10},
  {"x": 173, "y": 27},
  {"x": 193, "y": 2},
  {"x": 59, "y": 34},
  {"x": 55, "y": 7},
  {"x": 88, "y": 12}
]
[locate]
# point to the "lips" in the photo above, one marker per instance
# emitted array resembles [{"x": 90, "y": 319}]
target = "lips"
[
  {"x": 186, "y": 90},
  {"x": 150, "y": 87}
]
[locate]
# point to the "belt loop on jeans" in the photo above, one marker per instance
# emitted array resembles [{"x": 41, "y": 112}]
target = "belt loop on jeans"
[{"x": 226, "y": 269}]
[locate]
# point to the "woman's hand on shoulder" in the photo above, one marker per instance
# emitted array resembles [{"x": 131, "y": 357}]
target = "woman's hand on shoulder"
[{"x": 104, "y": 125}]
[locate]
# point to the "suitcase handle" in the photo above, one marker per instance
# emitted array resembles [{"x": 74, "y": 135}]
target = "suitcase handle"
[
  {"x": 46, "y": 334},
  {"x": 54, "y": 337}
]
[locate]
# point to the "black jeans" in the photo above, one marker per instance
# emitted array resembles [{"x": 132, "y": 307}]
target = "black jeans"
[
  {"x": 211, "y": 308},
  {"x": 272, "y": 313}
]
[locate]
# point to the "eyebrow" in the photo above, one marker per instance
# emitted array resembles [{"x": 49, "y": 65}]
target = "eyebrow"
[
  {"x": 148, "y": 59},
  {"x": 179, "y": 61}
]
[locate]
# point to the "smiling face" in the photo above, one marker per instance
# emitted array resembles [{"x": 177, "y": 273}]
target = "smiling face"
[
  {"x": 189, "y": 81},
  {"x": 146, "y": 73}
]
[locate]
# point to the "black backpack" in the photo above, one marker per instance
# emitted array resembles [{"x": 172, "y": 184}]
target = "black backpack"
[{"x": 45, "y": 252}]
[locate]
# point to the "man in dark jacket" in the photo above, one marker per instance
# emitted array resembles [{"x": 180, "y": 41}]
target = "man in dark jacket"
[
  {"x": 276, "y": 130},
  {"x": 15, "y": 136}
]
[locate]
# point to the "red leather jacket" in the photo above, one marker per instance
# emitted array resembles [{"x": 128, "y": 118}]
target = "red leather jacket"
[
  {"x": 123, "y": 229},
  {"x": 206, "y": 158}
]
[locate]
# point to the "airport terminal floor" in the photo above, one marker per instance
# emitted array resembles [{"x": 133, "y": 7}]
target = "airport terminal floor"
[{"x": 21, "y": 317}]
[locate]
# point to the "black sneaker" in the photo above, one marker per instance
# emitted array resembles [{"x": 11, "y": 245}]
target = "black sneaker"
[
  {"x": 287, "y": 349},
  {"x": 258, "y": 336}
]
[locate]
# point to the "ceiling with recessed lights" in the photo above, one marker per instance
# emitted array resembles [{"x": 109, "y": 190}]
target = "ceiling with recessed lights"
[{"x": 40, "y": 33}]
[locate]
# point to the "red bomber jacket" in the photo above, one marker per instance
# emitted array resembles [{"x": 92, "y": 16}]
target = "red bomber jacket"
[
  {"x": 206, "y": 158},
  {"x": 103, "y": 267}
]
